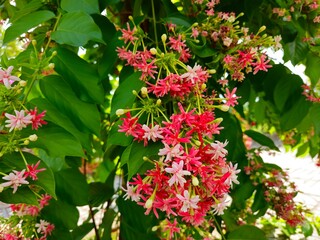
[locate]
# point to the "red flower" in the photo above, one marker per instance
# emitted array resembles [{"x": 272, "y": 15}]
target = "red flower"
[
  {"x": 37, "y": 119},
  {"x": 32, "y": 171}
]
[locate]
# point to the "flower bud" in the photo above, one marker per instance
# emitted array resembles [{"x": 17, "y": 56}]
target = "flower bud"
[
  {"x": 34, "y": 42},
  {"x": 51, "y": 65},
  {"x": 262, "y": 29},
  {"x": 218, "y": 120},
  {"x": 26, "y": 142},
  {"x": 153, "y": 51},
  {"x": 164, "y": 38},
  {"x": 54, "y": 53},
  {"x": 1, "y": 188},
  {"x": 195, "y": 181},
  {"x": 33, "y": 137},
  {"x": 148, "y": 203},
  {"x": 22, "y": 83},
  {"x": 203, "y": 86},
  {"x": 119, "y": 112},
  {"x": 134, "y": 92},
  {"x": 224, "y": 108},
  {"x": 144, "y": 91},
  {"x": 212, "y": 71},
  {"x": 159, "y": 102}
]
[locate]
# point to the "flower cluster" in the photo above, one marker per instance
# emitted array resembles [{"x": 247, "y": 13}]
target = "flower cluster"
[
  {"x": 25, "y": 222},
  {"x": 191, "y": 177},
  {"x": 279, "y": 192},
  {"x": 310, "y": 94},
  {"x": 244, "y": 49}
]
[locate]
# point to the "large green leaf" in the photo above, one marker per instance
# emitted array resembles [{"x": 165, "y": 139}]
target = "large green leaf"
[
  {"x": 291, "y": 118},
  {"x": 81, "y": 76},
  {"x": 88, "y": 6},
  {"x": 64, "y": 215},
  {"x": 106, "y": 224},
  {"x": 25, "y": 23},
  {"x": 22, "y": 195},
  {"x": 99, "y": 193},
  {"x": 247, "y": 232},
  {"x": 54, "y": 115},
  {"x": 313, "y": 63},
  {"x": 118, "y": 138},
  {"x": 76, "y": 29},
  {"x": 295, "y": 51},
  {"x": 59, "y": 93},
  {"x": 123, "y": 97},
  {"x": 72, "y": 186},
  {"x": 57, "y": 142},
  {"x": 27, "y": 9},
  {"x": 138, "y": 151},
  {"x": 261, "y": 139}
]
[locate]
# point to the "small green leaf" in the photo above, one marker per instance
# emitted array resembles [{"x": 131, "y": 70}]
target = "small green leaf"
[
  {"x": 313, "y": 62},
  {"x": 88, "y": 6},
  {"x": 28, "y": 8},
  {"x": 81, "y": 76},
  {"x": 72, "y": 186},
  {"x": 57, "y": 142},
  {"x": 296, "y": 51},
  {"x": 77, "y": 33},
  {"x": 247, "y": 232},
  {"x": 307, "y": 229},
  {"x": 25, "y": 23},
  {"x": 261, "y": 139}
]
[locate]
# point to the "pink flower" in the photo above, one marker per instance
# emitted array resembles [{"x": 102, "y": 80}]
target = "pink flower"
[
  {"x": 178, "y": 173},
  {"x": 131, "y": 193},
  {"x": 18, "y": 121},
  {"x": 37, "y": 119},
  {"x": 153, "y": 133},
  {"x": 188, "y": 202},
  {"x": 261, "y": 64},
  {"x": 170, "y": 152},
  {"x": 6, "y": 78},
  {"x": 128, "y": 35},
  {"x": 8, "y": 236},
  {"x": 231, "y": 97},
  {"x": 195, "y": 33},
  {"x": 218, "y": 150},
  {"x": 221, "y": 205},
  {"x": 171, "y": 227},
  {"x": 195, "y": 75},
  {"x": 44, "y": 201},
  {"x": 44, "y": 227},
  {"x": 32, "y": 171},
  {"x": 177, "y": 44},
  {"x": 233, "y": 178},
  {"x": 15, "y": 180}
]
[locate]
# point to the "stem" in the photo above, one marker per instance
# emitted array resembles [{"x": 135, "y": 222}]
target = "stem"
[
  {"x": 154, "y": 23},
  {"x": 23, "y": 157},
  {"x": 94, "y": 223},
  {"x": 219, "y": 228},
  {"x": 54, "y": 28}
]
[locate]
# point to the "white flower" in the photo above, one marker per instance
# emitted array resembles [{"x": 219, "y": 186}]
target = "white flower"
[{"x": 188, "y": 202}]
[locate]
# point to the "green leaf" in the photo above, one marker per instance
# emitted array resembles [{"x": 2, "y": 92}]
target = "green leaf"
[
  {"x": 247, "y": 232},
  {"x": 106, "y": 224},
  {"x": 22, "y": 195},
  {"x": 242, "y": 193},
  {"x": 25, "y": 23},
  {"x": 125, "y": 155},
  {"x": 261, "y": 139},
  {"x": 313, "y": 62},
  {"x": 202, "y": 51},
  {"x": 64, "y": 215},
  {"x": 307, "y": 229},
  {"x": 123, "y": 97},
  {"x": 138, "y": 151},
  {"x": 62, "y": 120},
  {"x": 292, "y": 117},
  {"x": 99, "y": 193},
  {"x": 87, "y": 6},
  {"x": 260, "y": 205},
  {"x": 81, "y": 76},
  {"x": 72, "y": 186},
  {"x": 296, "y": 51},
  {"x": 57, "y": 142},
  {"x": 77, "y": 32},
  {"x": 80, "y": 232},
  {"x": 28, "y": 8},
  {"x": 118, "y": 138},
  {"x": 60, "y": 94}
]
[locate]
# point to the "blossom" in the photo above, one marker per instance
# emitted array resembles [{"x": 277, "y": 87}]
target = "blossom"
[
  {"x": 37, "y": 119},
  {"x": 32, "y": 171},
  {"x": 231, "y": 97},
  {"x": 128, "y": 35},
  {"x": 178, "y": 173},
  {"x": 188, "y": 201},
  {"x": 6, "y": 78},
  {"x": 15, "y": 180},
  {"x": 177, "y": 44},
  {"x": 18, "y": 121},
  {"x": 233, "y": 178},
  {"x": 131, "y": 193},
  {"x": 170, "y": 152},
  {"x": 152, "y": 133},
  {"x": 171, "y": 227},
  {"x": 218, "y": 150},
  {"x": 261, "y": 64},
  {"x": 221, "y": 205},
  {"x": 195, "y": 75},
  {"x": 44, "y": 227}
]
